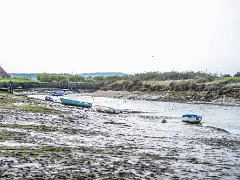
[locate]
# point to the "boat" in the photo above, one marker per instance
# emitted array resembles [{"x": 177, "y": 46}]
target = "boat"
[
  {"x": 109, "y": 110},
  {"x": 191, "y": 118},
  {"x": 57, "y": 93},
  {"x": 75, "y": 103}
]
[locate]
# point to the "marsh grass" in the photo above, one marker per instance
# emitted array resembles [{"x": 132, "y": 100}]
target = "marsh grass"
[
  {"x": 17, "y": 80},
  {"x": 164, "y": 83},
  {"x": 32, "y": 151},
  {"x": 40, "y": 128},
  {"x": 226, "y": 80},
  {"x": 36, "y": 109},
  {"x": 5, "y": 101},
  {"x": 6, "y": 135}
]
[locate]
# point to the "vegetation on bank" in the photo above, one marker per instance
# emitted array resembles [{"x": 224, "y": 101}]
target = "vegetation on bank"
[
  {"x": 45, "y": 77},
  {"x": 225, "y": 80},
  {"x": 17, "y": 80},
  {"x": 31, "y": 152},
  {"x": 148, "y": 76},
  {"x": 155, "y": 82},
  {"x": 36, "y": 109},
  {"x": 172, "y": 75},
  {"x": 11, "y": 101}
]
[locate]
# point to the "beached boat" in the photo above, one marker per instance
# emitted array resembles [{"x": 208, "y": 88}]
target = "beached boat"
[
  {"x": 75, "y": 103},
  {"x": 57, "y": 93},
  {"x": 191, "y": 118},
  {"x": 105, "y": 109}
]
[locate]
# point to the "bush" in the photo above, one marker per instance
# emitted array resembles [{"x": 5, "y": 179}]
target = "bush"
[
  {"x": 173, "y": 75},
  {"x": 237, "y": 74},
  {"x": 45, "y": 77}
]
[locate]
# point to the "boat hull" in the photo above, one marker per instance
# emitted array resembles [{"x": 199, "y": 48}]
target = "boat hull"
[
  {"x": 75, "y": 103},
  {"x": 109, "y": 110},
  {"x": 57, "y": 93},
  {"x": 191, "y": 118}
]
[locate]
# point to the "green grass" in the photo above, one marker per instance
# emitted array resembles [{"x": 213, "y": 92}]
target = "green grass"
[
  {"x": 36, "y": 109},
  {"x": 32, "y": 151},
  {"x": 17, "y": 80},
  {"x": 6, "y": 101},
  {"x": 221, "y": 80},
  {"x": 40, "y": 128},
  {"x": 5, "y": 135},
  {"x": 163, "y": 83},
  {"x": 226, "y": 80}
]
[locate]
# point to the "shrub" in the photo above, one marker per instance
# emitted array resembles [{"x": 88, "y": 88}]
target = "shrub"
[{"x": 237, "y": 74}]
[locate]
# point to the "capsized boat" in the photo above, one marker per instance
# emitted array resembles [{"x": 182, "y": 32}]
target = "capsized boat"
[
  {"x": 75, "y": 103},
  {"x": 191, "y": 118},
  {"x": 105, "y": 109},
  {"x": 57, "y": 93}
]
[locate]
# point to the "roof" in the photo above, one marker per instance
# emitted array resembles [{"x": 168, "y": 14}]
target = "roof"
[{"x": 3, "y": 73}]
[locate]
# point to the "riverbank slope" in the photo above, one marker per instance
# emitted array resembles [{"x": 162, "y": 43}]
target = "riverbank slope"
[{"x": 224, "y": 91}]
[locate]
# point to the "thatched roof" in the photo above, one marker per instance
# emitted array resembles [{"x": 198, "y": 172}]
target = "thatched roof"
[{"x": 3, "y": 73}]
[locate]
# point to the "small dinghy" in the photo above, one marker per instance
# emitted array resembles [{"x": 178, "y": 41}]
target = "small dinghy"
[
  {"x": 75, "y": 103},
  {"x": 109, "y": 110},
  {"x": 191, "y": 118},
  {"x": 57, "y": 93}
]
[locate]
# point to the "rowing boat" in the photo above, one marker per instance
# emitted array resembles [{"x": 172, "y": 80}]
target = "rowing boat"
[{"x": 75, "y": 103}]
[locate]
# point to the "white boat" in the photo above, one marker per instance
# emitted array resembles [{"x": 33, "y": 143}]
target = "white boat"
[
  {"x": 105, "y": 109},
  {"x": 191, "y": 118}
]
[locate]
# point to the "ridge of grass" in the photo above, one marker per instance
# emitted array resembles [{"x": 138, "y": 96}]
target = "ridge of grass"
[
  {"x": 17, "y": 80},
  {"x": 36, "y": 109}
]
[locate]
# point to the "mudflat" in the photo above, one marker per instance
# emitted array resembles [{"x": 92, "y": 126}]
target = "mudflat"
[{"x": 47, "y": 140}]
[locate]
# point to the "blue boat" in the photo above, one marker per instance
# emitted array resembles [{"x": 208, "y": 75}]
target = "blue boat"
[
  {"x": 75, "y": 103},
  {"x": 191, "y": 118},
  {"x": 57, "y": 93}
]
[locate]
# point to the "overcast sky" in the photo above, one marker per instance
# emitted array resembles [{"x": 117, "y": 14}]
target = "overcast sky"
[{"x": 77, "y": 36}]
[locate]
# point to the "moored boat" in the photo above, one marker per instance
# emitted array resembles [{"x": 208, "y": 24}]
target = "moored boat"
[
  {"x": 75, "y": 103},
  {"x": 191, "y": 118},
  {"x": 105, "y": 109},
  {"x": 57, "y": 93}
]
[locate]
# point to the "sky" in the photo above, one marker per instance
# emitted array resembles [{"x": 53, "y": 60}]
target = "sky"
[{"x": 130, "y": 36}]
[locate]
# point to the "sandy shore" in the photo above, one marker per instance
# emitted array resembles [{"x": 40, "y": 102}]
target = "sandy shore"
[{"x": 64, "y": 142}]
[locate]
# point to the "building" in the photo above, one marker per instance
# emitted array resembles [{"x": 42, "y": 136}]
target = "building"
[{"x": 3, "y": 73}]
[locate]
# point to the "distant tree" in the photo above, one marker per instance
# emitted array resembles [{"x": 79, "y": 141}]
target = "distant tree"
[
  {"x": 237, "y": 74},
  {"x": 45, "y": 77},
  {"x": 226, "y": 75},
  {"x": 98, "y": 78},
  {"x": 113, "y": 78},
  {"x": 172, "y": 75},
  {"x": 76, "y": 78}
]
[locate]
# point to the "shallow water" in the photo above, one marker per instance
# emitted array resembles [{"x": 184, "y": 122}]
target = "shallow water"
[{"x": 224, "y": 117}]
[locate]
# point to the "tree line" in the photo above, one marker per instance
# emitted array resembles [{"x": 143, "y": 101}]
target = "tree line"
[
  {"x": 46, "y": 77},
  {"x": 153, "y": 76}
]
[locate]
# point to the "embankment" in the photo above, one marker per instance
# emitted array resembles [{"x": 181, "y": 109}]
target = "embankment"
[{"x": 193, "y": 90}]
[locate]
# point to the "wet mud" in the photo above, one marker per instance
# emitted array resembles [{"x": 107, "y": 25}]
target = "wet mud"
[{"x": 77, "y": 143}]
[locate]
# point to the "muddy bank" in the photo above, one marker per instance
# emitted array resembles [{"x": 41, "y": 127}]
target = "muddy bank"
[
  {"x": 168, "y": 97},
  {"x": 48, "y": 140}
]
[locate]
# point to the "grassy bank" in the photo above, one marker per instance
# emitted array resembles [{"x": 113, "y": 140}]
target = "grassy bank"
[
  {"x": 198, "y": 89},
  {"x": 17, "y": 80}
]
